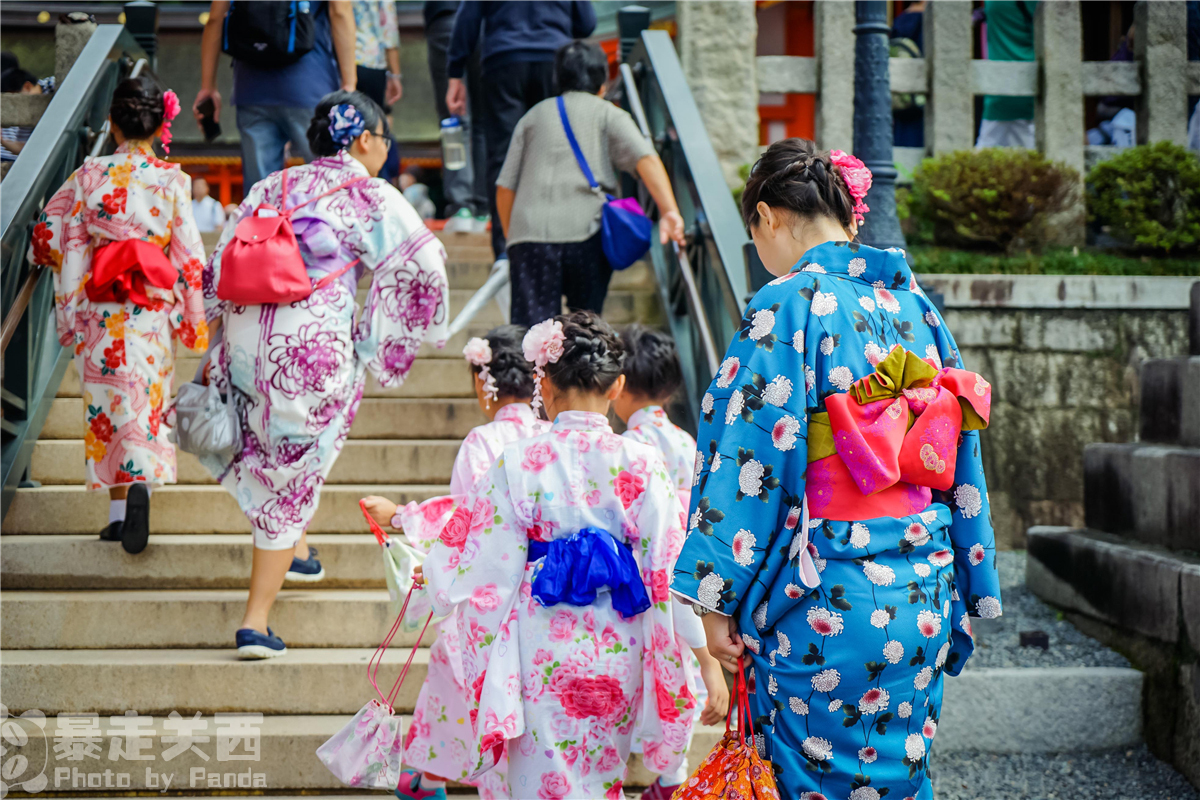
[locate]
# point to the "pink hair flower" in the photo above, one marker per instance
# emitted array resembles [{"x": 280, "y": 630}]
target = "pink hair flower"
[
  {"x": 171, "y": 109},
  {"x": 857, "y": 178},
  {"x": 479, "y": 354},
  {"x": 542, "y": 345}
]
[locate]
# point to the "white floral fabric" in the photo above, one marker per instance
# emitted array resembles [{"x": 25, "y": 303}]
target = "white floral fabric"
[{"x": 565, "y": 690}]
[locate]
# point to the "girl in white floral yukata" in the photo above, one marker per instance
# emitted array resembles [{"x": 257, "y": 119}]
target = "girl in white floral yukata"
[
  {"x": 296, "y": 370},
  {"x": 439, "y": 744},
  {"x": 127, "y": 258},
  {"x": 560, "y": 578},
  {"x": 652, "y": 376}
]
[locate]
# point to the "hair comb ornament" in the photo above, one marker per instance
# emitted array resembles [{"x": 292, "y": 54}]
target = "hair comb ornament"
[
  {"x": 542, "y": 345},
  {"x": 479, "y": 353}
]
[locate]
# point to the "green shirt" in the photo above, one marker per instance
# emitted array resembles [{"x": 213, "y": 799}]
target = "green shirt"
[{"x": 1009, "y": 38}]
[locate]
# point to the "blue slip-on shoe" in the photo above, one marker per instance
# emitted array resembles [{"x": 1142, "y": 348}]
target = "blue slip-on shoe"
[
  {"x": 307, "y": 571},
  {"x": 253, "y": 645}
]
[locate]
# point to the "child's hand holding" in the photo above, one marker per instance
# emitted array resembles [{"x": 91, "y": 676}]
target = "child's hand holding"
[
  {"x": 381, "y": 509},
  {"x": 717, "y": 707}
]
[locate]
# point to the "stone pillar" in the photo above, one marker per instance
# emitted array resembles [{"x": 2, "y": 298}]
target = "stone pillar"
[
  {"x": 1160, "y": 45},
  {"x": 833, "y": 32},
  {"x": 1058, "y": 43},
  {"x": 69, "y": 40},
  {"x": 950, "y": 108},
  {"x": 717, "y": 47}
]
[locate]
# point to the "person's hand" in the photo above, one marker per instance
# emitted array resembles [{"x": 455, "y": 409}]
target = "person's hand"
[
  {"x": 724, "y": 643},
  {"x": 12, "y": 145},
  {"x": 456, "y": 97},
  {"x": 394, "y": 91},
  {"x": 203, "y": 95},
  {"x": 670, "y": 228},
  {"x": 717, "y": 706},
  {"x": 380, "y": 508},
  {"x": 418, "y": 575}
]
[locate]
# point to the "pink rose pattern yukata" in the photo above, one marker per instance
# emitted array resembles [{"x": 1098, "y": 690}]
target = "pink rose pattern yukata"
[
  {"x": 566, "y": 689},
  {"x": 440, "y": 740},
  {"x": 296, "y": 371},
  {"x": 124, "y": 352},
  {"x": 843, "y": 395}
]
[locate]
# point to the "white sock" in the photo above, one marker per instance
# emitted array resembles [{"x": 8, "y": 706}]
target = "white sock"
[
  {"x": 116, "y": 511},
  {"x": 429, "y": 785}
]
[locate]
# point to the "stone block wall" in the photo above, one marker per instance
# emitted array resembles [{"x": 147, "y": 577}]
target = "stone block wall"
[{"x": 1064, "y": 363}]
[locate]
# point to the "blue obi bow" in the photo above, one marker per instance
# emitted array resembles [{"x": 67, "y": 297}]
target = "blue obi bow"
[{"x": 573, "y": 569}]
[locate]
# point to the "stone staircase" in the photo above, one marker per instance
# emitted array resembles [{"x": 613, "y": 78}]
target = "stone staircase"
[
  {"x": 1132, "y": 577},
  {"x": 87, "y": 628}
]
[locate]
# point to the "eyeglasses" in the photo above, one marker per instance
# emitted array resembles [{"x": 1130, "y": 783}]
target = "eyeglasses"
[{"x": 387, "y": 139}]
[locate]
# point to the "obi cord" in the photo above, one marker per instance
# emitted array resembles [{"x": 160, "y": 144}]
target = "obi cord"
[{"x": 573, "y": 569}]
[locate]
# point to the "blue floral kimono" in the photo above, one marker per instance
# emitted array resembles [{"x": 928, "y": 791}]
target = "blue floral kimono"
[{"x": 839, "y": 513}]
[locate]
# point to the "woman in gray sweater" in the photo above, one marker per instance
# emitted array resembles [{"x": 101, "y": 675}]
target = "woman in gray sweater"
[{"x": 550, "y": 214}]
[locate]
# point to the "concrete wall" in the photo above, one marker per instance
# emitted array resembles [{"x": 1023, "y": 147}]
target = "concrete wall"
[{"x": 1062, "y": 355}]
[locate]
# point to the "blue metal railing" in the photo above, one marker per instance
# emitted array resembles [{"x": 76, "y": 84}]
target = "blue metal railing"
[
  {"x": 33, "y": 360},
  {"x": 704, "y": 286}
]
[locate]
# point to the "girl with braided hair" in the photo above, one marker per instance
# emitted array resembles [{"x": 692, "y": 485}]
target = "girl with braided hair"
[
  {"x": 557, "y": 564},
  {"x": 127, "y": 261},
  {"x": 840, "y": 536},
  {"x": 439, "y": 743}
]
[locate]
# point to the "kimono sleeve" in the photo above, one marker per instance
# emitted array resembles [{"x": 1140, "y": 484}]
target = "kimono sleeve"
[
  {"x": 752, "y": 454},
  {"x": 976, "y": 578},
  {"x": 409, "y": 299},
  {"x": 186, "y": 252},
  {"x": 60, "y": 241},
  {"x": 472, "y": 463},
  {"x": 478, "y": 567}
]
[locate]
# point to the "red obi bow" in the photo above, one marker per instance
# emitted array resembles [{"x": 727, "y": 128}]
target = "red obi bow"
[
  {"x": 901, "y": 423},
  {"x": 122, "y": 270}
]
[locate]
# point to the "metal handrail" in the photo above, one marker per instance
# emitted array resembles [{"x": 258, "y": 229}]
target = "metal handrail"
[{"x": 33, "y": 360}]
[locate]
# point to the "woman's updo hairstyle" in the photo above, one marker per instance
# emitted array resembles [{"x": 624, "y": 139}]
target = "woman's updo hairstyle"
[
  {"x": 651, "y": 362},
  {"x": 592, "y": 354},
  {"x": 320, "y": 139},
  {"x": 137, "y": 107},
  {"x": 794, "y": 176},
  {"x": 509, "y": 369}
]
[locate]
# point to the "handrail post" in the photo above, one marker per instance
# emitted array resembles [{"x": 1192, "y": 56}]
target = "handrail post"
[
  {"x": 873, "y": 123},
  {"x": 141, "y": 20},
  {"x": 631, "y": 21}
]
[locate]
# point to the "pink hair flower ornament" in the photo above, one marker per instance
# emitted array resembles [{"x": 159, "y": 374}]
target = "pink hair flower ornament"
[
  {"x": 479, "y": 354},
  {"x": 857, "y": 178},
  {"x": 542, "y": 345},
  {"x": 171, "y": 109}
]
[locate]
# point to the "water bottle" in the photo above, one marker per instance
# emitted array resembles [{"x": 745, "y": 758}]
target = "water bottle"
[{"x": 454, "y": 145}]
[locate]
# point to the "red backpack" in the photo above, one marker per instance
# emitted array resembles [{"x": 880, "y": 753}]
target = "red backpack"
[{"x": 262, "y": 263}]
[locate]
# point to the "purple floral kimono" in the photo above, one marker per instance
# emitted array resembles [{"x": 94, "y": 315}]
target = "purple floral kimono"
[{"x": 297, "y": 371}]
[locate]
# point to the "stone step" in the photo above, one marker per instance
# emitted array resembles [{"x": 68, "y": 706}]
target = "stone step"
[
  {"x": 191, "y": 618},
  {"x": 391, "y": 461},
  {"x": 620, "y": 307},
  {"x": 173, "y": 561},
  {"x": 158, "y": 681},
  {"x": 377, "y": 418},
  {"x": 190, "y": 509},
  {"x": 1131, "y": 585},
  {"x": 1150, "y": 493},
  {"x": 442, "y": 377},
  {"x": 286, "y": 759}
]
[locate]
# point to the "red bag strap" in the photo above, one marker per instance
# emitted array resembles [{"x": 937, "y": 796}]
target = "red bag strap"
[
  {"x": 321, "y": 284},
  {"x": 742, "y": 695},
  {"x": 283, "y": 209},
  {"x": 380, "y": 536}
]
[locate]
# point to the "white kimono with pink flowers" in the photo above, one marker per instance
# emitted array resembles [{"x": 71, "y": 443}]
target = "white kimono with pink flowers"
[
  {"x": 440, "y": 740},
  {"x": 566, "y": 689}
]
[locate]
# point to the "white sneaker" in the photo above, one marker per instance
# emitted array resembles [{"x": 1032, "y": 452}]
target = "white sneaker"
[
  {"x": 480, "y": 224},
  {"x": 461, "y": 222}
]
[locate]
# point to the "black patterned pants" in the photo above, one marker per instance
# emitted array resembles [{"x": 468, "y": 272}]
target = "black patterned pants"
[{"x": 542, "y": 272}]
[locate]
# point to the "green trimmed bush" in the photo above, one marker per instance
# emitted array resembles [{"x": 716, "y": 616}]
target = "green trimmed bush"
[
  {"x": 995, "y": 198},
  {"x": 1149, "y": 197}
]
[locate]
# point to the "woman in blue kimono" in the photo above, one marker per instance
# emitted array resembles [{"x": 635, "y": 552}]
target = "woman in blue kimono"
[{"x": 839, "y": 530}]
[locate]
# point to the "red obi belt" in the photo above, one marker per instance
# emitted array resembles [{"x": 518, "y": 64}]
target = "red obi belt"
[
  {"x": 122, "y": 270},
  {"x": 893, "y": 437}
]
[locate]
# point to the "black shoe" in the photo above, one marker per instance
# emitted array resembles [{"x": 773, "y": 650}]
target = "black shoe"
[
  {"x": 112, "y": 533},
  {"x": 135, "y": 531}
]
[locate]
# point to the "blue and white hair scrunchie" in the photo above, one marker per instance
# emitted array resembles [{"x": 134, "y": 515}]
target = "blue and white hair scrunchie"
[{"x": 345, "y": 124}]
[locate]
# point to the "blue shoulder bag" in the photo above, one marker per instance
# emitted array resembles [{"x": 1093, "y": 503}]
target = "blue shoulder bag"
[{"x": 624, "y": 228}]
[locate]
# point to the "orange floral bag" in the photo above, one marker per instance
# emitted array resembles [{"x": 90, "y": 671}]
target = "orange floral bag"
[{"x": 733, "y": 770}]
